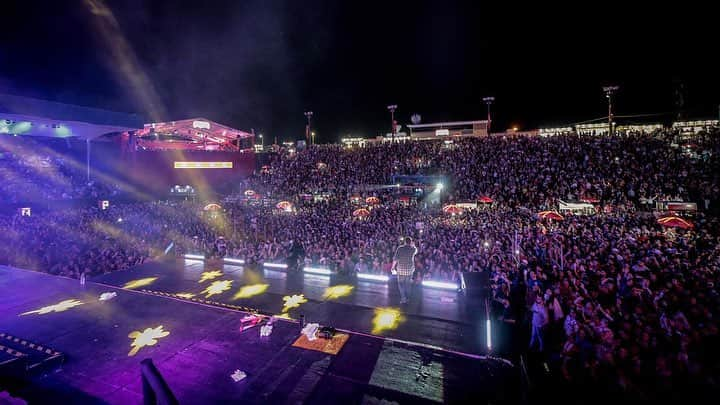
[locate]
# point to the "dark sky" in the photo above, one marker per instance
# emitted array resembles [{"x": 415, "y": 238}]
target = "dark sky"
[{"x": 260, "y": 64}]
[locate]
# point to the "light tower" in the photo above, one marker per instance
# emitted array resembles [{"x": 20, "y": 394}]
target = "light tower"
[
  {"x": 609, "y": 91},
  {"x": 309, "y": 115},
  {"x": 488, "y": 101},
  {"x": 392, "y": 109}
]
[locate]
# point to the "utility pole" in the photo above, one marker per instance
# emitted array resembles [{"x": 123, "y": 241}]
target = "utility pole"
[
  {"x": 309, "y": 115},
  {"x": 392, "y": 109},
  {"x": 609, "y": 91},
  {"x": 488, "y": 101}
]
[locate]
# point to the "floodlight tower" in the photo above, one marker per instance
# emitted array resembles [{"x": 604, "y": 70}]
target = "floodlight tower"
[
  {"x": 488, "y": 101},
  {"x": 392, "y": 109},
  {"x": 309, "y": 115},
  {"x": 609, "y": 91}
]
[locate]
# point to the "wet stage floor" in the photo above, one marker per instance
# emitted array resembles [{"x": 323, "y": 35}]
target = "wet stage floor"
[
  {"x": 205, "y": 344},
  {"x": 437, "y": 317}
]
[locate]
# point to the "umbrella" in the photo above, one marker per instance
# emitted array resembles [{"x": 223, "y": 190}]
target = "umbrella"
[
  {"x": 485, "y": 200},
  {"x": 361, "y": 212},
  {"x": 284, "y": 205},
  {"x": 452, "y": 209},
  {"x": 249, "y": 193},
  {"x": 212, "y": 207},
  {"x": 372, "y": 200},
  {"x": 550, "y": 215},
  {"x": 675, "y": 222}
]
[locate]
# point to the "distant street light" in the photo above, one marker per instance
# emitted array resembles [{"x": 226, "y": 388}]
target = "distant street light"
[
  {"x": 609, "y": 91},
  {"x": 488, "y": 101},
  {"x": 392, "y": 109}
]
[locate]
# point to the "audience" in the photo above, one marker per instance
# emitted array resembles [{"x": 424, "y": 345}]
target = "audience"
[{"x": 612, "y": 299}]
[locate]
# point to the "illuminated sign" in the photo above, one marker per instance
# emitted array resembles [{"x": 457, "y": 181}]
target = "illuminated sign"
[
  {"x": 442, "y": 132},
  {"x": 25, "y": 212},
  {"x": 201, "y": 124},
  {"x": 203, "y": 165}
]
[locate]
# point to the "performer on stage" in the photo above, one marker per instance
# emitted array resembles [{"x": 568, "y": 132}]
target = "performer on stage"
[{"x": 404, "y": 266}]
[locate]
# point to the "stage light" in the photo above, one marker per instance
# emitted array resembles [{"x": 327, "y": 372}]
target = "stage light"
[
  {"x": 251, "y": 290},
  {"x": 59, "y": 307},
  {"x": 275, "y": 265},
  {"x": 488, "y": 334},
  {"x": 486, "y": 244},
  {"x": 293, "y": 301},
  {"x": 119, "y": 220},
  {"x": 185, "y": 295},
  {"x": 148, "y": 337},
  {"x": 234, "y": 261},
  {"x": 203, "y": 165},
  {"x": 317, "y": 270},
  {"x": 386, "y": 318},
  {"x": 373, "y": 277},
  {"x": 439, "y": 284},
  {"x": 337, "y": 291},
  {"x": 217, "y": 287},
  {"x": 209, "y": 275},
  {"x": 199, "y": 257},
  {"x": 139, "y": 282}
]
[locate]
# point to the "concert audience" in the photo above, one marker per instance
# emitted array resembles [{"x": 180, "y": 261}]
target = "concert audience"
[{"x": 612, "y": 299}]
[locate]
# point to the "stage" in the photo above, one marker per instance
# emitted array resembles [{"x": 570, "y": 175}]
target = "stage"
[
  {"x": 205, "y": 345},
  {"x": 443, "y": 318}
]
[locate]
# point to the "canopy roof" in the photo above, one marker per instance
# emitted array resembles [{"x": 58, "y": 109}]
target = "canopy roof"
[{"x": 195, "y": 132}]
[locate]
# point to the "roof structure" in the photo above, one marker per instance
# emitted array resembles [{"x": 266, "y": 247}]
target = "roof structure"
[{"x": 194, "y": 134}]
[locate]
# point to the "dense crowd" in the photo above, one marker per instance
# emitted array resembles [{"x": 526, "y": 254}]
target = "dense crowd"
[{"x": 614, "y": 299}]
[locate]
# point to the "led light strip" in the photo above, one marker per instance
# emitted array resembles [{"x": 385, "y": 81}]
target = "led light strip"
[
  {"x": 373, "y": 277},
  {"x": 231, "y": 260},
  {"x": 439, "y": 284},
  {"x": 488, "y": 334},
  {"x": 275, "y": 265},
  {"x": 203, "y": 165},
  {"x": 317, "y": 270}
]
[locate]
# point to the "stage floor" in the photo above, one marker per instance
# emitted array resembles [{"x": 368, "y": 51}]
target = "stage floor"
[
  {"x": 443, "y": 318},
  {"x": 205, "y": 345}
]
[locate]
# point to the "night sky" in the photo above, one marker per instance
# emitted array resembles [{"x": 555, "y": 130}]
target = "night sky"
[{"x": 261, "y": 64}]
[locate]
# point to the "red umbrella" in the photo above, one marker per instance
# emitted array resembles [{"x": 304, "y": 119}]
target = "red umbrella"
[
  {"x": 284, "y": 205},
  {"x": 485, "y": 200},
  {"x": 372, "y": 200},
  {"x": 452, "y": 209},
  {"x": 675, "y": 222},
  {"x": 361, "y": 212},
  {"x": 550, "y": 215}
]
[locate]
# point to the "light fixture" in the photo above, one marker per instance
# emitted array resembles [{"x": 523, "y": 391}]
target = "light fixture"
[{"x": 440, "y": 285}]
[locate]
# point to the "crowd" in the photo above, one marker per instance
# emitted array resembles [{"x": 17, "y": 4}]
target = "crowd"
[
  {"x": 612, "y": 299},
  {"x": 40, "y": 169}
]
